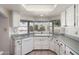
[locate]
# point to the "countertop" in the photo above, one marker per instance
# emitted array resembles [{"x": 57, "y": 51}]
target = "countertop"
[
  {"x": 71, "y": 43},
  {"x": 19, "y": 37}
]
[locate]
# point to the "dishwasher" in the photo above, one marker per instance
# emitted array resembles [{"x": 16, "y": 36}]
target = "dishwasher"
[{"x": 27, "y": 45}]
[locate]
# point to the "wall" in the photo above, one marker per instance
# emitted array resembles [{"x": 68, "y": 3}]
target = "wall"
[
  {"x": 4, "y": 35},
  {"x": 4, "y": 31}
]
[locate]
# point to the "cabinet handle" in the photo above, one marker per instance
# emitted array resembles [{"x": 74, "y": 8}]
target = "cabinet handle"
[
  {"x": 18, "y": 41},
  {"x": 61, "y": 44}
]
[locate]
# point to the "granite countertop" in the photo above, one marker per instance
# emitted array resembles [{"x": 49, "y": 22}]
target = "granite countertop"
[
  {"x": 18, "y": 37},
  {"x": 71, "y": 43}
]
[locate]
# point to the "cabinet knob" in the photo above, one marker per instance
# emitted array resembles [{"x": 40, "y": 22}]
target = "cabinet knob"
[
  {"x": 61, "y": 44},
  {"x": 56, "y": 40},
  {"x": 65, "y": 52},
  {"x": 18, "y": 41}
]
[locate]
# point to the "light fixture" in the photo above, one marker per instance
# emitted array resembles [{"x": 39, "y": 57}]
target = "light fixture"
[{"x": 39, "y": 8}]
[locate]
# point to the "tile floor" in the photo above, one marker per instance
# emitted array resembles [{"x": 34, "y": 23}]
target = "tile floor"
[{"x": 40, "y": 52}]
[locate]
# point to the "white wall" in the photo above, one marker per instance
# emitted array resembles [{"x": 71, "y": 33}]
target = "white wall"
[
  {"x": 4, "y": 31},
  {"x": 4, "y": 35}
]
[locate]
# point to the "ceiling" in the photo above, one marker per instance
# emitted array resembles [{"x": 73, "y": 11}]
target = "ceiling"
[{"x": 37, "y": 10}]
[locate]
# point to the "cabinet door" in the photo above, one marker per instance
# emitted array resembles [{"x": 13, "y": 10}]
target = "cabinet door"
[
  {"x": 56, "y": 46},
  {"x": 30, "y": 44},
  {"x": 16, "y": 19},
  {"x": 45, "y": 43},
  {"x": 37, "y": 43},
  {"x": 70, "y": 16},
  {"x": 63, "y": 19},
  {"x": 27, "y": 45},
  {"x": 62, "y": 49},
  {"x": 52, "y": 44},
  {"x": 18, "y": 47},
  {"x": 78, "y": 14}
]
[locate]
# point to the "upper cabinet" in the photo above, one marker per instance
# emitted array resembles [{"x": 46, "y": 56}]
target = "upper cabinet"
[
  {"x": 70, "y": 16},
  {"x": 4, "y": 12},
  {"x": 14, "y": 19},
  {"x": 77, "y": 15},
  {"x": 63, "y": 19}
]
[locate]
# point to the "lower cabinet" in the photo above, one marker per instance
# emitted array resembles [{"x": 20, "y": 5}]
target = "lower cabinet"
[
  {"x": 41, "y": 43},
  {"x": 51, "y": 44},
  {"x": 56, "y": 47},
  {"x": 70, "y": 52},
  {"x": 37, "y": 43},
  {"x": 62, "y": 49},
  {"x": 17, "y": 47},
  {"x": 27, "y": 45}
]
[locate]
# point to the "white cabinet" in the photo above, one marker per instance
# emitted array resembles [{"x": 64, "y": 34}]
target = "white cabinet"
[
  {"x": 41, "y": 43},
  {"x": 69, "y": 51},
  {"x": 37, "y": 43},
  {"x": 52, "y": 44},
  {"x": 70, "y": 16},
  {"x": 56, "y": 46},
  {"x": 63, "y": 20},
  {"x": 27, "y": 45},
  {"x": 45, "y": 42},
  {"x": 17, "y": 47},
  {"x": 15, "y": 19},
  {"x": 77, "y": 15},
  {"x": 62, "y": 49}
]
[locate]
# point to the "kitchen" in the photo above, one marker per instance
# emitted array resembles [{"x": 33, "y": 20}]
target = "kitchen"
[{"x": 39, "y": 29}]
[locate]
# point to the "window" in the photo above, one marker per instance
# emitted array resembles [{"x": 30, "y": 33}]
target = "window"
[
  {"x": 39, "y": 28},
  {"x": 23, "y": 28},
  {"x": 57, "y": 27}
]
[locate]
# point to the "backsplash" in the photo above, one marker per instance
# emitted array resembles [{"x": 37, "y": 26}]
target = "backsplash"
[{"x": 73, "y": 32}]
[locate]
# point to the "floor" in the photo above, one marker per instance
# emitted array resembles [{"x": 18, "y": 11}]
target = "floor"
[{"x": 41, "y": 52}]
